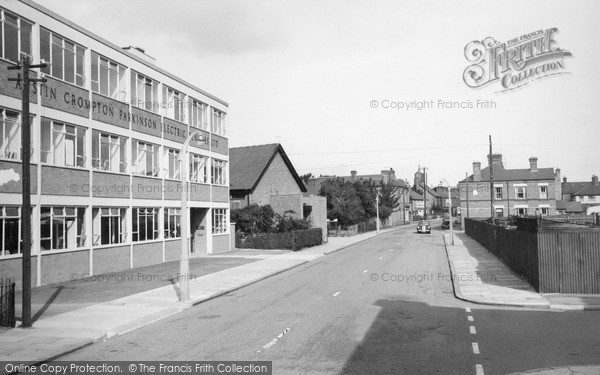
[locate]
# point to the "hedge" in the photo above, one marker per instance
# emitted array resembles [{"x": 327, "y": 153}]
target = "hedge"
[{"x": 294, "y": 240}]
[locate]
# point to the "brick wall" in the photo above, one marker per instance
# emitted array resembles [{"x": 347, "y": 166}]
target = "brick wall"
[
  {"x": 111, "y": 259},
  {"x": 13, "y": 268},
  {"x": 277, "y": 180},
  {"x": 220, "y": 194},
  {"x": 110, "y": 185},
  {"x": 54, "y": 270},
  {"x": 146, "y": 188},
  {"x": 172, "y": 250},
  {"x": 65, "y": 181},
  {"x": 146, "y": 254},
  {"x": 221, "y": 243},
  {"x": 199, "y": 192}
]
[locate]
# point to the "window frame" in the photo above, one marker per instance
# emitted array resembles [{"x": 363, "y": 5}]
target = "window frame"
[
  {"x": 140, "y": 80},
  {"x": 519, "y": 190},
  {"x": 172, "y": 222},
  {"x": 120, "y": 91},
  {"x": 115, "y": 215},
  {"x": 114, "y": 141},
  {"x": 78, "y": 54},
  {"x": 220, "y": 223},
  {"x": 49, "y": 156},
  {"x": 198, "y": 169},
  {"x": 174, "y": 104},
  {"x": 4, "y": 217},
  {"x": 79, "y": 221},
  {"x": 141, "y": 217},
  {"x": 7, "y": 149},
  {"x": 199, "y": 114},
  {"x": 138, "y": 154},
  {"x": 543, "y": 189},
  {"x": 218, "y": 173},
  {"x": 4, "y": 23},
  {"x": 218, "y": 126}
]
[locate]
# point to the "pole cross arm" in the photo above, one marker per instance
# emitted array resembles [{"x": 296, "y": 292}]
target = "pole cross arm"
[{"x": 14, "y": 67}]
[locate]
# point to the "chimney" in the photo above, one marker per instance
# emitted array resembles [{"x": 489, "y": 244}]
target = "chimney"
[
  {"x": 564, "y": 179},
  {"x": 141, "y": 53},
  {"x": 353, "y": 176},
  {"x": 533, "y": 164},
  {"x": 496, "y": 161},
  {"x": 595, "y": 180},
  {"x": 388, "y": 175},
  {"x": 476, "y": 171}
]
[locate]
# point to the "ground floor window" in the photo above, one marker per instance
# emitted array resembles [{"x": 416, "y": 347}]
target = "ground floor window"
[
  {"x": 172, "y": 222},
  {"x": 521, "y": 211},
  {"x": 499, "y": 212},
  {"x": 62, "y": 228},
  {"x": 145, "y": 224},
  {"x": 544, "y": 211},
  {"x": 10, "y": 230},
  {"x": 109, "y": 225},
  {"x": 219, "y": 220}
]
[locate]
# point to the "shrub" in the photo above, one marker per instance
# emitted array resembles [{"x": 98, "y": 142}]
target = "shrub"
[{"x": 294, "y": 240}]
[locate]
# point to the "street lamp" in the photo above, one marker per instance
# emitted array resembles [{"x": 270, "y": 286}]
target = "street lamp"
[
  {"x": 184, "y": 263},
  {"x": 377, "y": 208},
  {"x": 449, "y": 210}
]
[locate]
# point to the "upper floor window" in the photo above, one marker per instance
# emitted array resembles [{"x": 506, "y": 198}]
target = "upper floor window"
[
  {"x": 521, "y": 192},
  {"x": 198, "y": 168},
  {"x": 218, "y": 122},
  {"x": 63, "y": 144},
  {"x": 15, "y": 36},
  {"x": 65, "y": 58},
  {"x": 174, "y": 104},
  {"x": 145, "y": 158},
  {"x": 10, "y": 134},
  {"x": 198, "y": 115},
  {"x": 109, "y": 152},
  {"x": 144, "y": 92},
  {"x": 218, "y": 175},
  {"x": 62, "y": 228},
  {"x": 498, "y": 190},
  {"x": 171, "y": 162},
  {"x": 108, "y": 77},
  {"x": 543, "y": 192}
]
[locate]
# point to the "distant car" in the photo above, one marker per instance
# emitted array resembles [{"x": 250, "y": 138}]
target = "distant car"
[
  {"x": 424, "y": 227},
  {"x": 446, "y": 223}
]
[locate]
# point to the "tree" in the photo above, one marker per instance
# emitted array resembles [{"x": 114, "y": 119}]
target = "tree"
[
  {"x": 389, "y": 201},
  {"x": 254, "y": 218},
  {"x": 343, "y": 202},
  {"x": 366, "y": 192}
]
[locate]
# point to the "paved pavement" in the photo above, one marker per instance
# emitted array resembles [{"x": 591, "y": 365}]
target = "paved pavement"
[
  {"x": 57, "y": 332},
  {"x": 480, "y": 277},
  {"x": 567, "y": 370}
]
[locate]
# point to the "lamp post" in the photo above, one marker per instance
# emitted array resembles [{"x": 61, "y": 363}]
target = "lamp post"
[
  {"x": 377, "y": 208},
  {"x": 184, "y": 263},
  {"x": 449, "y": 211}
]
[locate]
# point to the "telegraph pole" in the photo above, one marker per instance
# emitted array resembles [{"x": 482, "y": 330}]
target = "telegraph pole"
[
  {"x": 23, "y": 76},
  {"x": 467, "y": 180},
  {"x": 425, "y": 193}
]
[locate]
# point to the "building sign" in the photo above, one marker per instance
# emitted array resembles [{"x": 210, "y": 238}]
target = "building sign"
[
  {"x": 14, "y": 89},
  {"x": 65, "y": 97},
  {"x": 144, "y": 121},
  {"x": 202, "y": 141},
  {"x": 174, "y": 131},
  {"x": 219, "y": 144},
  {"x": 110, "y": 111},
  {"x": 515, "y": 63}
]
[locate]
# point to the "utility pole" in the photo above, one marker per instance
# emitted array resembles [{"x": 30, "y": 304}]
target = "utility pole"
[
  {"x": 491, "y": 183},
  {"x": 377, "y": 208},
  {"x": 424, "y": 193},
  {"x": 467, "y": 180},
  {"x": 23, "y": 76}
]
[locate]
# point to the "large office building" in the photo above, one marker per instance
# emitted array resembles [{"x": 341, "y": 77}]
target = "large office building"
[{"x": 107, "y": 128}]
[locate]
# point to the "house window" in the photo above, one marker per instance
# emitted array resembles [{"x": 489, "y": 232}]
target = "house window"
[
  {"x": 15, "y": 37},
  {"x": 521, "y": 211},
  {"x": 543, "y": 192},
  {"x": 544, "y": 210},
  {"x": 219, "y": 220},
  {"x": 198, "y": 168},
  {"x": 498, "y": 190},
  {"x": 109, "y": 152},
  {"x": 172, "y": 163},
  {"x": 145, "y": 158},
  {"x": 172, "y": 222},
  {"x": 218, "y": 176},
  {"x": 499, "y": 212},
  {"x": 62, "y": 228},
  {"x": 218, "y": 122},
  {"x": 10, "y": 134},
  {"x": 198, "y": 115},
  {"x": 144, "y": 92},
  {"x": 174, "y": 104},
  {"x": 10, "y": 230},
  {"x": 145, "y": 224},
  {"x": 108, "y": 77},
  {"x": 109, "y": 225},
  {"x": 521, "y": 192},
  {"x": 63, "y": 144},
  {"x": 65, "y": 58}
]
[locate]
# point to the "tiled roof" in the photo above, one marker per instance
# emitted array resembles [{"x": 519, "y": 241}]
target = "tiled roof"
[
  {"x": 501, "y": 174},
  {"x": 573, "y": 187},
  {"x": 415, "y": 196},
  {"x": 374, "y": 178},
  {"x": 590, "y": 189},
  {"x": 248, "y": 164},
  {"x": 569, "y": 206}
]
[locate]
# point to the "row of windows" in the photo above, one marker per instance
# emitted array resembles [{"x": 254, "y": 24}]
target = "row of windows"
[
  {"x": 63, "y": 228},
  {"x": 524, "y": 211},
  {"x": 521, "y": 192},
  {"x": 65, "y": 145},
  {"x": 66, "y": 61}
]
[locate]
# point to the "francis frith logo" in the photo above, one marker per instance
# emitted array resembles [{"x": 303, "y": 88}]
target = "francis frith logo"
[{"x": 514, "y": 63}]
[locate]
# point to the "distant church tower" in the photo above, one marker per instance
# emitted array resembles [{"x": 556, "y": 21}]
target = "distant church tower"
[{"x": 419, "y": 180}]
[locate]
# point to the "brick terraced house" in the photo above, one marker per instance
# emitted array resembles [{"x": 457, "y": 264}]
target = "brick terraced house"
[{"x": 106, "y": 128}]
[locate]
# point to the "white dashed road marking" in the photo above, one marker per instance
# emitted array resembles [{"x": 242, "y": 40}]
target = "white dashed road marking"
[
  {"x": 468, "y": 309},
  {"x": 336, "y": 294},
  {"x": 475, "y": 348},
  {"x": 479, "y": 370},
  {"x": 274, "y": 341},
  {"x": 365, "y": 271},
  {"x": 380, "y": 258},
  {"x": 470, "y": 318},
  {"x": 472, "y": 330}
]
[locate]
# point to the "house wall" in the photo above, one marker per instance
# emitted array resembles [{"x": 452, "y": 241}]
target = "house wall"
[{"x": 277, "y": 180}]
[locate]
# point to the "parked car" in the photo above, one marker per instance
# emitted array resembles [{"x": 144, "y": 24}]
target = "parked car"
[
  {"x": 446, "y": 223},
  {"x": 424, "y": 227}
]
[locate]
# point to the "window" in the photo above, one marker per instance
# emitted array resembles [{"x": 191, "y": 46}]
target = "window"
[
  {"x": 108, "y": 77},
  {"x": 198, "y": 115},
  {"x": 219, "y": 220},
  {"x": 172, "y": 222},
  {"x": 145, "y": 158},
  {"x": 63, "y": 144},
  {"x": 62, "y": 228},
  {"x": 109, "y": 225},
  {"x": 218, "y": 122},
  {"x": 521, "y": 211},
  {"x": 544, "y": 211},
  {"x": 109, "y": 152},
  {"x": 15, "y": 37},
  {"x": 145, "y": 224},
  {"x": 499, "y": 212},
  {"x": 10, "y": 230},
  {"x": 172, "y": 163},
  {"x": 521, "y": 192},
  {"x": 65, "y": 58},
  {"x": 543, "y": 192},
  {"x": 219, "y": 176},
  {"x": 174, "y": 104},
  {"x": 144, "y": 92},
  {"x": 198, "y": 168},
  {"x": 10, "y": 134},
  {"x": 498, "y": 190}
]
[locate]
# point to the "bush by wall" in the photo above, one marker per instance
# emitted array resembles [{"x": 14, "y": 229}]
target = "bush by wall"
[{"x": 294, "y": 240}]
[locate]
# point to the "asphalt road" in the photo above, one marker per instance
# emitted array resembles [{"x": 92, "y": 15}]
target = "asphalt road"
[{"x": 384, "y": 306}]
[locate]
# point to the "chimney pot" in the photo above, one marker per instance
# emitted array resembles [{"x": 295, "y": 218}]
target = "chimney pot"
[
  {"x": 476, "y": 171},
  {"x": 533, "y": 163},
  {"x": 564, "y": 179},
  {"x": 595, "y": 180}
]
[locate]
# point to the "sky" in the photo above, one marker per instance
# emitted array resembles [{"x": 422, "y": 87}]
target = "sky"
[{"x": 324, "y": 77}]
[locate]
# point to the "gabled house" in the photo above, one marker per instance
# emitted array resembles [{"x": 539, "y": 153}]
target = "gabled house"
[
  {"x": 586, "y": 194},
  {"x": 417, "y": 205},
  {"x": 264, "y": 174},
  {"x": 531, "y": 191}
]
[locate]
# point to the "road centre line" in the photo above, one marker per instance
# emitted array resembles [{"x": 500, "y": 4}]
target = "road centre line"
[
  {"x": 380, "y": 258},
  {"x": 475, "y": 347},
  {"x": 336, "y": 294},
  {"x": 274, "y": 341},
  {"x": 365, "y": 271},
  {"x": 467, "y": 309},
  {"x": 479, "y": 370},
  {"x": 473, "y": 330},
  {"x": 469, "y": 318}
]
